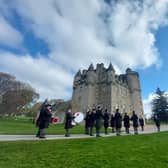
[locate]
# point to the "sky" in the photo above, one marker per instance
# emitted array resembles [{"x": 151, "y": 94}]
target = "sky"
[{"x": 44, "y": 43}]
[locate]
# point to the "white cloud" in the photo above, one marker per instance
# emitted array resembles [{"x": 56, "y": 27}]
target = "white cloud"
[
  {"x": 50, "y": 80},
  {"x": 85, "y": 31},
  {"x": 147, "y": 105},
  {"x": 8, "y": 35}
]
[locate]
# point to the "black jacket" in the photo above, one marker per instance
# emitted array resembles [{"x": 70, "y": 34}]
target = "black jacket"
[
  {"x": 44, "y": 118},
  {"x": 126, "y": 121},
  {"x": 106, "y": 118},
  {"x": 68, "y": 120},
  {"x": 118, "y": 120},
  {"x": 134, "y": 118}
]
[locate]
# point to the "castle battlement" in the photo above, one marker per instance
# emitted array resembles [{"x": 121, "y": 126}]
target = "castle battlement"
[{"x": 102, "y": 86}]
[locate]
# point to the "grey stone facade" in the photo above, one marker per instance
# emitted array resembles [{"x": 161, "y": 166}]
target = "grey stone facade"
[{"x": 102, "y": 86}]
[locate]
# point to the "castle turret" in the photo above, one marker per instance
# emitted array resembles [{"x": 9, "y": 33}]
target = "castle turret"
[
  {"x": 135, "y": 91},
  {"x": 110, "y": 68},
  {"x": 77, "y": 79},
  {"x": 110, "y": 73},
  {"x": 91, "y": 76},
  {"x": 91, "y": 68}
]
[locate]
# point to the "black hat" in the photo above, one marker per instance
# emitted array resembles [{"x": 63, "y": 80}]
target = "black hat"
[{"x": 47, "y": 105}]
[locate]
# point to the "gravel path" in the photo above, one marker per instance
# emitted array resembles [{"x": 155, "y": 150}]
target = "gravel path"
[{"x": 148, "y": 130}]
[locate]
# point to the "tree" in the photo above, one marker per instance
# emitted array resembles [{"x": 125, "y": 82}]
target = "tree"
[
  {"x": 160, "y": 105},
  {"x": 15, "y": 97},
  {"x": 15, "y": 102}
]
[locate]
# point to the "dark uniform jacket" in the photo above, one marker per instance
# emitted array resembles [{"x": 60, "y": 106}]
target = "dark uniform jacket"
[
  {"x": 91, "y": 119},
  {"x": 157, "y": 121},
  {"x": 134, "y": 118},
  {"x": 106, "y": 118},
  {"x": 44, "y": 118},
  {"x": 141, "y": 121},
  {"x": 98, "y": 118},
  {"x": 86, "y": 120},
  {"x": 118, "y": 120},
  {"x": 68, "y": 120},
  {"x": 126, "y": 121},
  {"x": 112, "y": 121}
]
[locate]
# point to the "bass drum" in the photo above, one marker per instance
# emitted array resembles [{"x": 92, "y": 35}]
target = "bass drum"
[{"x": 79, "y": 116}]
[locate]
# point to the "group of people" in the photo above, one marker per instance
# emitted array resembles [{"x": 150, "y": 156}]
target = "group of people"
[
  {"x": 96, "y": 116},
  {"x": 93, "y": 118}
]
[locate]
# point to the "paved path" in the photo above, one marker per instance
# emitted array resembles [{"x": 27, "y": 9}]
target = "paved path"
[{"x": 148, "y": 130}]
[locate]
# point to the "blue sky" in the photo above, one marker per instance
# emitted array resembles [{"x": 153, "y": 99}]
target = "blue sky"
[{"x": 45, "y": 42}]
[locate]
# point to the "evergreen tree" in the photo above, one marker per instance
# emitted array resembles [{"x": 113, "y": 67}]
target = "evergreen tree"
[{"x": 160, "y": 105}]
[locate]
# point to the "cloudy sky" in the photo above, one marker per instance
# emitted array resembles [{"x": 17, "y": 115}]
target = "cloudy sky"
[{"x": 45, "y": 42}]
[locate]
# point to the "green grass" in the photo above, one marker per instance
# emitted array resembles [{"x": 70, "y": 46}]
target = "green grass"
[
  {"x": 141, "y": 151},
  {"x": 25, "y": 126}
]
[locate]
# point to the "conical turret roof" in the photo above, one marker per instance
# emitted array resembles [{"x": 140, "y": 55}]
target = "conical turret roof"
[
  {"x": 78, "y": 73},
  {"x": 111, "y": 67},
  {"x": 91, "y": 68}
]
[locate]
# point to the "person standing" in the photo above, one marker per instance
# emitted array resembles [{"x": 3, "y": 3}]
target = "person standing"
[
  {"x": 112, "y": 123},
  {"x": 118, "y": 122},
  {"x": 91, "y": 121},
  {"x": 106, "y": 121},
  {"x": 68, "y": 122},
  {"x": 141, "y": 122},
  {"x": 126, "y": 123},
  {"x": 134, "y": 119},
  {"x": 157, "y": 122},
  {"x": 87, "y": 122},
  {"x": 98, "y": 120},
  {"x": 44, "y": 120}
]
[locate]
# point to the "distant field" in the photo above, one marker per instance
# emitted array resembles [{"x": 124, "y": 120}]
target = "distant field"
[{"x": 141, "y": 151}]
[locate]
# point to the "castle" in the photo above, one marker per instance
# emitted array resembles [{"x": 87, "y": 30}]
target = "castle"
[{"x": 102, "y": 86}]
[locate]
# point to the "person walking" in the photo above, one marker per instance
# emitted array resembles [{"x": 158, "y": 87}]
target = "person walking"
[
  {"x": 126, "y": 120},
  {"x": 68, "y": 122},
  {"x": 118, "y": 122},
  {"x": 134, "y": 119},
  {"x": 43, "y": 120}
]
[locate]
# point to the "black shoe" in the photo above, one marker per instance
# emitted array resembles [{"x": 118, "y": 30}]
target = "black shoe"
[
  {"x": 42, "y": 137},
  {"x": 98, "y": 136}
]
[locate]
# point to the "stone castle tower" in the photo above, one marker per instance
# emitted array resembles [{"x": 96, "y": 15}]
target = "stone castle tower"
[{"x": 101, "y": 86}]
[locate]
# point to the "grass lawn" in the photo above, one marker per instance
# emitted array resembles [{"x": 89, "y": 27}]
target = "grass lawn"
[
  {"x": 141, "y": 151},
  {"x": 25, "y": 126}
]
